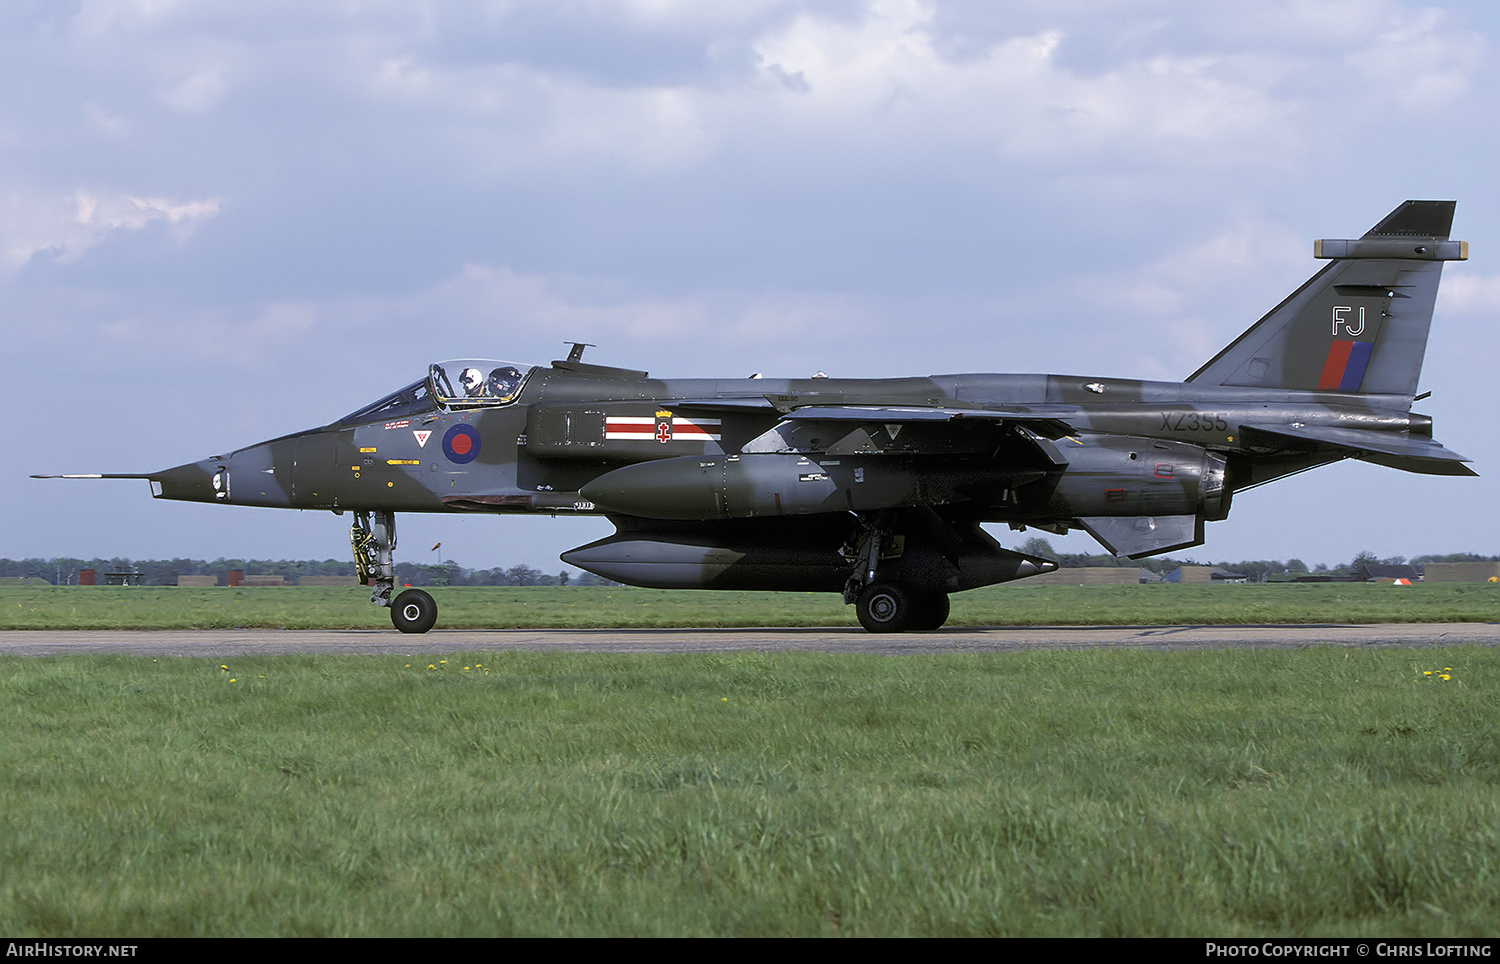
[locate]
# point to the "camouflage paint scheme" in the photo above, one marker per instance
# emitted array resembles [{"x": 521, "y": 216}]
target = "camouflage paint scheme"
[{"x": 876, "y": 488}]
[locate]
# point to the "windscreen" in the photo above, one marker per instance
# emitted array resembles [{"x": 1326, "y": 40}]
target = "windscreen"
[{"x": 411, "y": 400}]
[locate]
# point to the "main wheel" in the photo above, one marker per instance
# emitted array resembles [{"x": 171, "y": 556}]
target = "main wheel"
[
  {"x": 886, "y": 607},
  {"x": 413, "y": 611},
  {"x": 932, "y": 611}
]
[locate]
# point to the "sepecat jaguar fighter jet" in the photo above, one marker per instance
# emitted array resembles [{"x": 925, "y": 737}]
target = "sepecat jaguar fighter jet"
[{"x": 875, "y": 488}]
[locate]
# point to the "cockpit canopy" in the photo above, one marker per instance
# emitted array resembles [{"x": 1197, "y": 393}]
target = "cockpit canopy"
[
  {"x": 462, "y": 383},
  {"x": 476, "y": 382}
]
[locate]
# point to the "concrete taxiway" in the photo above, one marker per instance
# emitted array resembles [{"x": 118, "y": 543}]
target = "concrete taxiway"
[{"x": 244, "y": 642}]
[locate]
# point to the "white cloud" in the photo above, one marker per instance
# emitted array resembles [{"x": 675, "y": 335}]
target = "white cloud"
[
  {"x": 1193, "y": 89},
  {"x": 530, "y": 309},
  {"x": 1213, "y": 104},
  {"x": 105, "y": 121},
  {"x": 1186, "y": 305},
  {"x": 1468, "y": 293},
  {"x": 1421, "y": 63},
  {"x": 1250, "y": 250},
  {"x": 536, "y": 313},
  {"x": 494, "y": 311},
  {"x": 196, "y": 92},
  {"x": 887, "y": 76},
  {"x": 111, "y": 212},
  {"x": 32, "y": 223}
]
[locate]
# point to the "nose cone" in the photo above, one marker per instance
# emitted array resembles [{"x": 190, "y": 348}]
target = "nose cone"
[
  {"x": 193, "y": 482},
  {"x": 246, "y": 477}
]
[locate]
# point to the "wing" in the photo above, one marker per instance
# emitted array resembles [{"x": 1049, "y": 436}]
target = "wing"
[{"x": 903, "y": 430}]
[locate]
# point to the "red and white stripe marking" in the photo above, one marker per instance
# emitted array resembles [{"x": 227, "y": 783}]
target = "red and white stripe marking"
[{"x": 637, "y": 428}]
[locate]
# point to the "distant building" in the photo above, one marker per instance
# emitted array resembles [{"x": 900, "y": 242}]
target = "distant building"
[
  {"x": 1084, "y": 576},
  {"x": 327, "y": 580},
  {"x": 1375, "y": 572},
  {"x": 1461, "y": 571},
  {"x": 1204, "y": 576}
]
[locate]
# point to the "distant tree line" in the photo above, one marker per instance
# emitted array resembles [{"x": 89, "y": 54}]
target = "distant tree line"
[
  {"x": 1259, "y": 570},
  {"x": 164, "y": 572}
]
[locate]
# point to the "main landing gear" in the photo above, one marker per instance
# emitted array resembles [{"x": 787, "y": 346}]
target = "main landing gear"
[
  {"x": 373, "y": 537},
  {"x": 889, "y": 607},
  {"x": 883, "y": 605}
]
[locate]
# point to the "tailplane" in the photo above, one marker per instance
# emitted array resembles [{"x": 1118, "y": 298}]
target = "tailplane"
[{"x": 1358, "y": 325}]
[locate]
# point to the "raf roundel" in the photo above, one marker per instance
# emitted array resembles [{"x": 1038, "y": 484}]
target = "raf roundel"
[{"x": 461, "y": 444}]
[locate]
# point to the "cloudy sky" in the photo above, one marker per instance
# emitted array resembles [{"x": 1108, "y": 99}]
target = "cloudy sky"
[{"x": 222, "y": 222}]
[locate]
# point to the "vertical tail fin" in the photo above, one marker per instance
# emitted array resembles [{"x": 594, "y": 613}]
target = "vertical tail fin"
[{"x": 1360, "y": 324}]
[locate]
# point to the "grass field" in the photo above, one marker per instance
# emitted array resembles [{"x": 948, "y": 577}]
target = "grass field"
[
  {"x": 618, "y": 607},
  {"x": 1253, "y": 792},
  {"x": 1250, "y": 792}
]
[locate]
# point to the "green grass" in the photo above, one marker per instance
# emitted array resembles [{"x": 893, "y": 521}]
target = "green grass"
[
  {"x": 1233, "y": 792},
  {"x": 619, "y": 607}
]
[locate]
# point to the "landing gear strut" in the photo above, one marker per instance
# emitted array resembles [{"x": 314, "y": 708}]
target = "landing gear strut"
[
  {"x": 373, "y": 537},
  {"x": 883, "y": 605}
]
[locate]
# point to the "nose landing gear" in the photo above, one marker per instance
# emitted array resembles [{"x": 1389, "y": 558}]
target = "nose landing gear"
[{"x": 373, "y": 537}]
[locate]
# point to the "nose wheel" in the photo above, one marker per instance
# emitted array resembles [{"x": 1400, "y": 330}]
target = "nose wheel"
[{"x": 413, "y": 611}]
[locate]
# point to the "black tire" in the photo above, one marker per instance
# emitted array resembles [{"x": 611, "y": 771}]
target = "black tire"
[
  {"x": 413, "y": 611},
  {"x": 886, "y": 607},
  {"x": 932, "y": 612}
]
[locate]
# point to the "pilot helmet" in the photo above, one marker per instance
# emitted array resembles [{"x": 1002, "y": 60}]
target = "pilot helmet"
[
  {"x": 504, "y": 381},
  {"x": 472, "y": 380}
]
